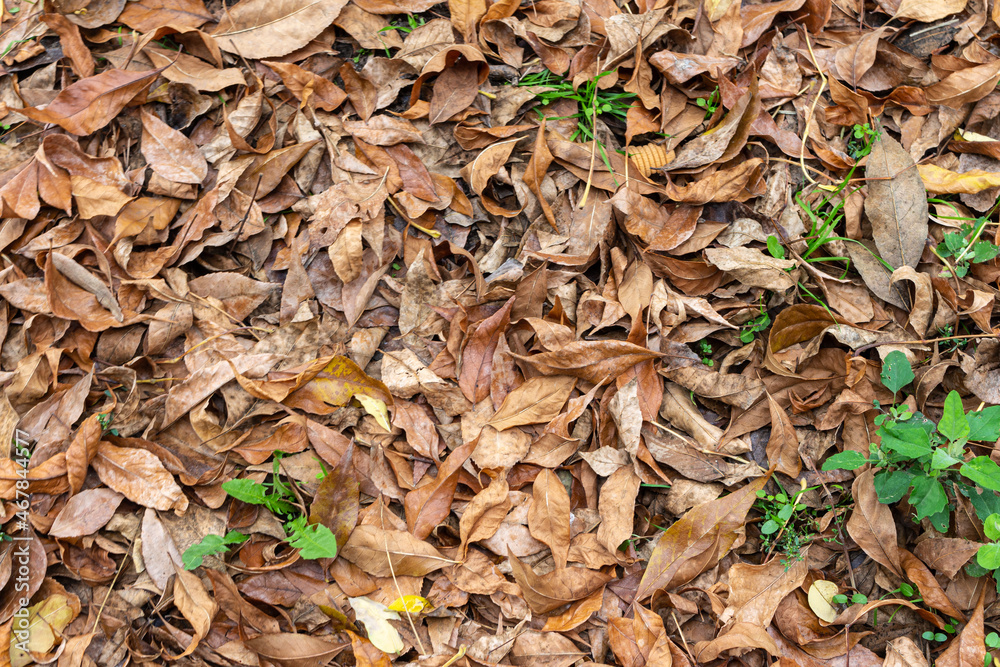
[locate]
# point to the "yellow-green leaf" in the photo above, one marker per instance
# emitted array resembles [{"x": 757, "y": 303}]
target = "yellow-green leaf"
[
  {"x": 376, "y": 408},
  {"x": 943, "y": 181},
  {"x": 376, "y": 616},
  {"x": 413, "y": 604}
]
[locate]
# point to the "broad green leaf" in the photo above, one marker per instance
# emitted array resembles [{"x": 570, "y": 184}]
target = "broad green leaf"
[
  {"x": 891, "y": 485},
  {"x": 845, "y": 460},
  {"x": 908, "y": 439},
  {"x": 942, "y": 459},
  {"x": 988, "y": 556},
  {"x": 246, "y": 490},
  {"x": 984, "y": 251},
  {"x": 953, "y": 424},
  {"x": 985, "y": 502},
  {"x": 984, "y": 472},
  {"x": 896, "y": 371},
  {"x": 210, "y": 545},
  {"x": 256, "y": 493},
  {"x": 312, "y": 540},
  {"x": 928, "y": 496},
  {"x": 984, "y": 425},
  {"x": 941, "y": 520},
  {"x": 774, "y": 247},
  {"x": 992, "y": 527},
  {"x": 769, "y": 527}
]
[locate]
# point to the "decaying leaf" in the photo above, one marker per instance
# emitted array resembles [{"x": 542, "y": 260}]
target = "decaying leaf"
[{"x": 896, "y": 204}]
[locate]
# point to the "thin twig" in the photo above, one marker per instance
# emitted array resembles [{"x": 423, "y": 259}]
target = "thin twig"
[
  {"x": 392, "y": 571},
  {"x": 812, "y": 109},
  {"x": 922, "y": 341},
  {"x": 593, "y": 151},
  {"x": 840, "y": 527}
]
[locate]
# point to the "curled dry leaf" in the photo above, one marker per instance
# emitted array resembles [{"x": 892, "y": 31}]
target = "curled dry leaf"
[
  {"x": 783, "y": 445},
  {"x": 196, "y": 605},
  {"x": 559, "y": 587},
  {"x": 968, "y": 649}
]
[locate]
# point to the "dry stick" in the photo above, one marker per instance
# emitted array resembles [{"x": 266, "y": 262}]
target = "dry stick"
[
  {"x": 922, "y": 341},
  {"x": 121, "y": 568},
  {"x": 243, "y": 221},
  {"x": 812, "y": 110},
  {"x": 683, "y": 638},
  {"x": 392, "y": 571},
  {"x": 840, "y": 527},
  {"x": 593, "y": 151}
]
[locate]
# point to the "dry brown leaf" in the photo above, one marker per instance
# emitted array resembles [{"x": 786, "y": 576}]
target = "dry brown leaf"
[
  {"x": 871, "y": 524},
  {"x": 385, "y": 552},
  {"x": 196, "y": 605},
  {"x": 484, "y": 514},
  {"x": 270, "y": 28},
  {"x": 558, "y": 587},
  {"x": 968, "y": 648},
  {"x": 617, "y": 507},
  {"x": 596, "y": 362},
  {"x": 697, "y": 540},
  {"x": 139, "y": 476},
  {"x": 89, "y": 104},
  {"x": 169, "y": 153},
  {"x": 641, "y": 640},
  {"x": 783, "y": 445},
  {"x": 548, "y": 516},
  {"x": 537, "y": 401}
]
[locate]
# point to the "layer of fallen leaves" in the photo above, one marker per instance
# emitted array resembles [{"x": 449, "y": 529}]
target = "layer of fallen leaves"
[{"x": 542, "y": 385}]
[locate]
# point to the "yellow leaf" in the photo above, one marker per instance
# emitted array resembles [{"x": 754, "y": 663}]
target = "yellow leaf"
[
  {"x": 376, "y": 617},
  {"x": 821, "y": 599},
  {"x": 339, "y": 381},
  {"x": 45, "y": 623},
  {"x": 965, "y": 135},
  {"x": 376, "y": 408},
  {"x": 942, "y": 181},
  {"x": 411, "y": 603}
]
